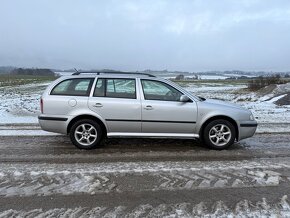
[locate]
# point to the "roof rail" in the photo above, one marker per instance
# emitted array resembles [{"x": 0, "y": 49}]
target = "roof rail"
[{"x": 114, "y": 72}]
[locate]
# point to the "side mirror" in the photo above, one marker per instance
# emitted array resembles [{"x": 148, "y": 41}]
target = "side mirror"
[{"x": 184, "y": 98}]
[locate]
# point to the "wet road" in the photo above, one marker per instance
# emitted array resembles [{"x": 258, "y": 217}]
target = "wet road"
[
  {"x": 58, "y": 149},
  {"x": 48, "y": 176}
]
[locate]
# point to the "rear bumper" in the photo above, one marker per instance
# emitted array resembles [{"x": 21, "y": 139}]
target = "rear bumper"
[
  {"x": 53, "y": 123},
  {"x": 247, "y": 129}
]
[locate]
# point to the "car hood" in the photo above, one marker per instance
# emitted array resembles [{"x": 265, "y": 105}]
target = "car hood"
[{"x": 223, "y": 103}]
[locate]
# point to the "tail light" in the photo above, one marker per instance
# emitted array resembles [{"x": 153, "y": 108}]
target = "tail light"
[{"x": 41, "y": 105}]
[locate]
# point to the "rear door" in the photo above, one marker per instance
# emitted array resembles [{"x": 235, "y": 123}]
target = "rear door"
[
  {"x": 162, "y": 111},
  {"x": 117, "y": 101}
]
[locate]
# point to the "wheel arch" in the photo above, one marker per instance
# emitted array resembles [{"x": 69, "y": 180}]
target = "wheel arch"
[
  {"x": 218, "y": 117},
  {"x": 87, "y": 116}
]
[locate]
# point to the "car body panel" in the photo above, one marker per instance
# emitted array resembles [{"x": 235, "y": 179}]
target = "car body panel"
[
  {"x": 168, "y": 117},
  {"x": 123, "y": 117},
  {"x": 130, "y": 118}
]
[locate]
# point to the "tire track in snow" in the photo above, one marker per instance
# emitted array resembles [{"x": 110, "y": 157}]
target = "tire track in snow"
[
  {"x": 243, "y": 208},
  {"x": 220, "y": 179},
  {"x": 27, "y": 184},
  {"x": 43, "y": 181}
]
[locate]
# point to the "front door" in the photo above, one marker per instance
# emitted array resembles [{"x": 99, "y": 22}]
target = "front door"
[
  {"x": 115, "y": 100},
  {"x": 162, "y": 111}
]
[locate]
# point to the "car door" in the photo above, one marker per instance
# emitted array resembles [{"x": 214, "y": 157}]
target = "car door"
[
  {"x": 162, "y": 110},
  {"x": 117, "y": 101}
]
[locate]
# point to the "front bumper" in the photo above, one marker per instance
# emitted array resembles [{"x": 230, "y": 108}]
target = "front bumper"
[{"x": 247, "y": 129}]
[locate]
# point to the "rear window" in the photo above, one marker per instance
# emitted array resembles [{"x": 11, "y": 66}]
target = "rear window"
[
  {"x": 115, "y": 88},
  {"x": 73, "y": 87}
]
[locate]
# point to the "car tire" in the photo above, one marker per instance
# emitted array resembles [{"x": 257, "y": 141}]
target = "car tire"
[
  {"x": 219, "y": 134},
  {"x": 86, "y": 134}
]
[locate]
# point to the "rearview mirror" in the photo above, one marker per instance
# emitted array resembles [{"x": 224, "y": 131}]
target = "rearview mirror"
[{"x": 184, "y": 98}]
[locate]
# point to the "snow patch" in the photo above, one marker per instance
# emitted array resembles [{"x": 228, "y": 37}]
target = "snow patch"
[
  {"x": 42, "y": 179},
  {"x": 25, "y": 133},
  {"x": 242, "y": 208}
]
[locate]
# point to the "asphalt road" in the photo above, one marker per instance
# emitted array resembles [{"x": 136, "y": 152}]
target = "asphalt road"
[{"x": 47, "y": 176}]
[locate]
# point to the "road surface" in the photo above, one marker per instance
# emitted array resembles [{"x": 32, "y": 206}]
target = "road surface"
[{"x": 47, "y": 176}]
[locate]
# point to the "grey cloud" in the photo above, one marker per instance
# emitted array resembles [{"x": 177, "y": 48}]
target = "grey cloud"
[{"x": 135, "y": 35}]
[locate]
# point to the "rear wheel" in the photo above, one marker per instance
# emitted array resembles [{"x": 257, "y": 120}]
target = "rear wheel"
[
  {"x": 86, "y": 134},
  {"x": 219, "y": 134}
]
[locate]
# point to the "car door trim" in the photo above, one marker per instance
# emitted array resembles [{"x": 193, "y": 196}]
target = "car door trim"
[
  {"x": 52, "y": 118},
  {"x": 150, "y": 121},
  {"x": 248, "y": 124}
]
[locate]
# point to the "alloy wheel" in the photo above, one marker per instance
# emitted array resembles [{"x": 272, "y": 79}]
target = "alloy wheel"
[
  {"x": 220, "y": 134},
  {"x": 85, "y": 134}
]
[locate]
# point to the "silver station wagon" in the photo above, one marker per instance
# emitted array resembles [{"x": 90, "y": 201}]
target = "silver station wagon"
[{"x": 90, "y": 106}]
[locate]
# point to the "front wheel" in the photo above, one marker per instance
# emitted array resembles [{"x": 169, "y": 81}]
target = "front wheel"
[
  {"x": 219, "y": 134},
  {"x": 86, "y": 134}
]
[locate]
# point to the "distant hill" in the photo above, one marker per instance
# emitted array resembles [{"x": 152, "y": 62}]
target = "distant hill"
[
  {"x": 29, "y": 71},
  {"x": 6, "y": 70},
  {"x": 231, "y": 74}
]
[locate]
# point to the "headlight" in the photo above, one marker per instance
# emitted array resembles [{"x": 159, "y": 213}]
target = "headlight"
[{"x": 252, "y": 117}]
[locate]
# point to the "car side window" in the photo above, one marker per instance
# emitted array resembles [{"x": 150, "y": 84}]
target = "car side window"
[
  {"x": 100, "y": 88},
  {"x": 115, "y": 88},
  {"x": 156, "y": 90},
  {"x": 73, "y": 87}
]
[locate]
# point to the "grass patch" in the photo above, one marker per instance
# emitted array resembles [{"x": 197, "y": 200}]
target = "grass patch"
[{"x": 15, "y": 80}]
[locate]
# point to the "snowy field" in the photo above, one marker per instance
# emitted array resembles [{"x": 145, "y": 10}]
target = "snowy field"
[
  {"x": 262, "y": 104},
  {"x": 20, "y": 104}
]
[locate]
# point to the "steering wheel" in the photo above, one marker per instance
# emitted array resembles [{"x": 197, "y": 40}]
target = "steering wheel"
[{"x": 169, "y": 95}]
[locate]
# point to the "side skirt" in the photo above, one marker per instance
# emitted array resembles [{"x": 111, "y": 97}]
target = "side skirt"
[{"x": 151, "y": 135}]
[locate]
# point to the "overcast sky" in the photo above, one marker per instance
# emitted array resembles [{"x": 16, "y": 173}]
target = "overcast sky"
[{"x": 193, "y": 35}]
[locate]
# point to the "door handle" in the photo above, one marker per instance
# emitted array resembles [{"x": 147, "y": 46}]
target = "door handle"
[
  {"x": 148, "y": 107},
  {"x": 98, "y": 105}
]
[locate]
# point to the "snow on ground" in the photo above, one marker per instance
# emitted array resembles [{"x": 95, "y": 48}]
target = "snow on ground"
[
  {"x": 273, "y": 127},
  {"x": 266, "y": 111},
  {"x": 220, "y": 76},
  {"x": 20, "y": 104},
  {"x": 14, "y": 132},
  {"x": 7, "y": 117},
  {"x": 238, "y": 75},
  {"x": 28, "y": 180},
  {"x": 215, "y": 90},
  {"x": 46, "y": 180},
  {"x": 212, "y": 77},
  {"x": 243, "y": 208},
  {"x": 262, "y": 106}
]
